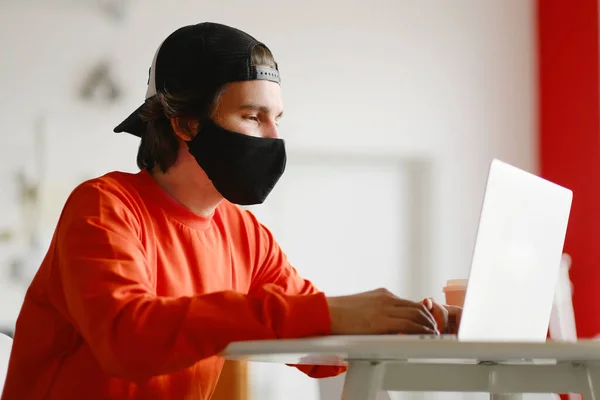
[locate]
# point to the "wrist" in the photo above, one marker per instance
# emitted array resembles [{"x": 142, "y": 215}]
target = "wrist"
[{"x": 333, "y": 303}]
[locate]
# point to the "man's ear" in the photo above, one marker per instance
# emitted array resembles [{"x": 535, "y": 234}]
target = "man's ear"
[{"x": 185, "y": 128}]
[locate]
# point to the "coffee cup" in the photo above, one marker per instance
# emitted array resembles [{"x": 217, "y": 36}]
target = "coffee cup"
[{"x": 455, "y": 291}]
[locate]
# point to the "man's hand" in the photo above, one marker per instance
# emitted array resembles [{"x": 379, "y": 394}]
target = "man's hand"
[
  {"x": 454, "y": 316},
  {"x": 378, "y": 312},
  {"x": 447, "y": 317}
]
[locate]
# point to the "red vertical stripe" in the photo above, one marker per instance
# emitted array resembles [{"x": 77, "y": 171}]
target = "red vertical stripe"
[{"x": 569, "y": 137}]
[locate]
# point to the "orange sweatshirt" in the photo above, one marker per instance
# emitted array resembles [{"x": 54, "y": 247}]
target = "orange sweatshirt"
[{"x": 137, "y": 296}]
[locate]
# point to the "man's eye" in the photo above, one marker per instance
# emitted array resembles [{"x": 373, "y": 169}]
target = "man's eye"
[{"x": 251, "y": 117}]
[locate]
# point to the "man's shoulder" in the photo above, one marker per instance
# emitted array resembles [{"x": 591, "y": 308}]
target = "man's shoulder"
[
  {"x": 113, "y": 190},
  {"x": 114, "y": 182},
  {"x": 105, "y": 203}
]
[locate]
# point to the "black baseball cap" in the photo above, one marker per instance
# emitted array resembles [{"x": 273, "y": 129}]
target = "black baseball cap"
[{"x": 199, "y": 56}]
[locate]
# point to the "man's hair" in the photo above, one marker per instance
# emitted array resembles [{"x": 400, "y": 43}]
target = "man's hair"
[{"x": 159, "y": 144}]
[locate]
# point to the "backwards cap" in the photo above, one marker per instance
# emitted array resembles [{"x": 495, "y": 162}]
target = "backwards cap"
[{"x": 197, "y": 57}]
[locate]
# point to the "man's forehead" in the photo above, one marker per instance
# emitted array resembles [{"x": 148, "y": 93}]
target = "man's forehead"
[{"x": 253, "y": 95}]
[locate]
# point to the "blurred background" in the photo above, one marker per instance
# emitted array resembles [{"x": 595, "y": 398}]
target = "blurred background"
[{"x": 394, "y": 110}]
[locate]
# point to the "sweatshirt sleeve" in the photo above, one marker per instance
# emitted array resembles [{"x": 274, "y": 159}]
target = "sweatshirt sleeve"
[
  {"x": 274, "y": 268},
  {"x": 109, "y": 295}
]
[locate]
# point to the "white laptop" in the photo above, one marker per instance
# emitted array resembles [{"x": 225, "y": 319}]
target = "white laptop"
[{"x": 516, "y": 258}]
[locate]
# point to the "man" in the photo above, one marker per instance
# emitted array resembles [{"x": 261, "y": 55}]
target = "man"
[{"x": 149, "y": 276}]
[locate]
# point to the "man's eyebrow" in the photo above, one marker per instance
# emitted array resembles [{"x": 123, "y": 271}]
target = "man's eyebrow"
[{"x": 256, "y": 107}]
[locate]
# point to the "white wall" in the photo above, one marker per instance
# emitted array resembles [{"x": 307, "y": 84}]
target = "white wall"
[{"x": 447, "y": 84}]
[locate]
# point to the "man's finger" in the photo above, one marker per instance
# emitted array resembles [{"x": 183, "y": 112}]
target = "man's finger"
[
  {"x": 417, "y": 315},
  {"x": 454, "y": 317},
  {"x": 440, "y": 314},
  {"x": 428, "y": 303},
  {"x": 398, "y": 302},
  {"x": 409, "y": 327}
]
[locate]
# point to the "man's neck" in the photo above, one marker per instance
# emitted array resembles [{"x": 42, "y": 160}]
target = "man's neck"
[{"x": 187, "y": 183}]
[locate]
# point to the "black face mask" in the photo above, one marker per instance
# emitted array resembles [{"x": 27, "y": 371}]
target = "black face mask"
[{"x": 244, "y": 169}]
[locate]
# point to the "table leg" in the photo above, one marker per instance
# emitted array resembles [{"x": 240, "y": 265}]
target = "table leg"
[
  {"x": 363, "y": 380},
  {"x": 512, "y": 396},
  {"x": 593, "y": 378}
]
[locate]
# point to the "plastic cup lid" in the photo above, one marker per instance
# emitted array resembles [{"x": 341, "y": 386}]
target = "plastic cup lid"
[{"x": 456, "y": 284}]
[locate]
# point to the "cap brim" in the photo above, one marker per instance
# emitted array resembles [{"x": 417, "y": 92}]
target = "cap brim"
[{"x": 132, "y": 124}]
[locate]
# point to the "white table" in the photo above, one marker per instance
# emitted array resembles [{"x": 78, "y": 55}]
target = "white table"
[{"x": 402, "y": 363}]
